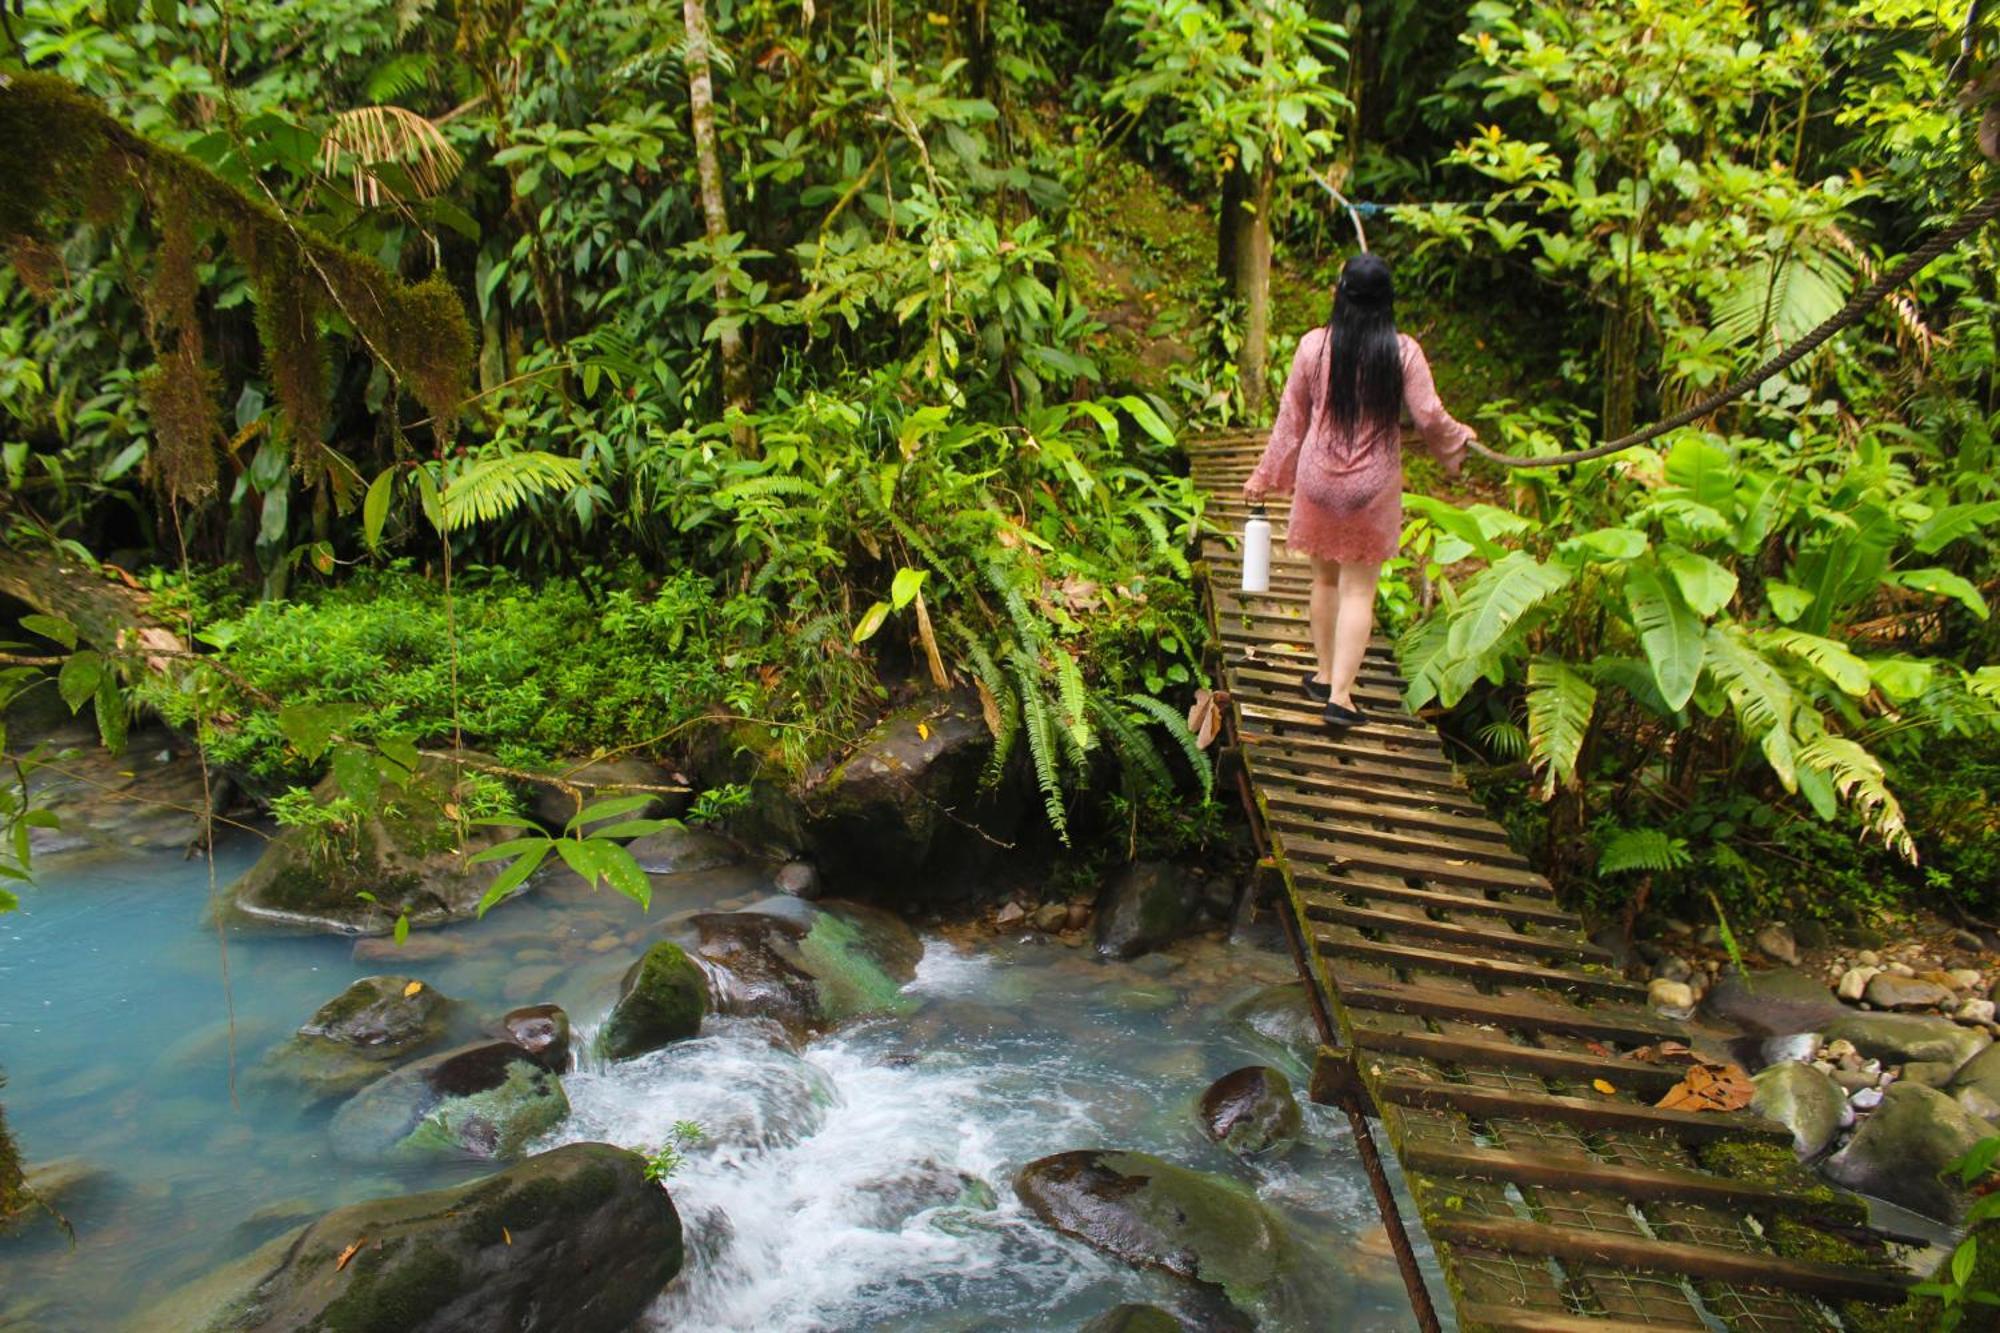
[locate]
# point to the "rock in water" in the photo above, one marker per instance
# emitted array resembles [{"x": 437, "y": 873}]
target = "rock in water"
[
  {"x": 1145, "y": 905},
  {"x": 1772, "y": 1004},
  {"x": 808, "y": 965},
  {"x": 1901, "y": 1038},
  {"x": 483, "y": 1101},
  {"x": 571, "y": 1241},
  {"x": 1135, "y": 1319},
  {"x": 1901, "y": 1150},
  {"x": 1804, "y": 1101},
  {"x": 555, "y": 807},
  {"x": 408, "y": 860},
  {"x": 353, "y": 1037},
  {"x": 682, "y": 851},
  {"x": 1282, "y": 1016},
  {"x": 1252, "y": 1112},
  {"x": 1203, "y": 1228},
  {"x": 542, "y": 1030},
  {"x": 663, "y": 999}
]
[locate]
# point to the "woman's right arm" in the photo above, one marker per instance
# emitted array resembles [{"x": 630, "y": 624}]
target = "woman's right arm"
[{"x": 1278, "y": 470}]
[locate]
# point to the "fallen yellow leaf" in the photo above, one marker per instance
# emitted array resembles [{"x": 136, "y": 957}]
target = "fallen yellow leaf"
[
  {"x": 412, "y": 989},
  {"x": 506, "y": 1235},
  {"x": 340, "y": 1264},
  {"x": 923, "y": 732},
  {"x": 1602, "y": 1086}
]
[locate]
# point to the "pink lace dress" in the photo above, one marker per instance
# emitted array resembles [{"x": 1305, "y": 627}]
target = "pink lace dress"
[{"x": 1347, "y": 487}]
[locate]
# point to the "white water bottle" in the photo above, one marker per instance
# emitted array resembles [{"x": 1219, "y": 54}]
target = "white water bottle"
[{"x": 1257, "y": 551}]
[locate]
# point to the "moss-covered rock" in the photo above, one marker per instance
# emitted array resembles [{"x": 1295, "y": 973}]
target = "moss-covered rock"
[
  {"x": 1252, "y": 1112},
  {"x": 808, "y": 965},
  {"x": 1211, "y": 1231},
  {"x": 1902, "y": 1149},
  {"x": 352, "y": 1038},
  {"x": 1804, "y": 1101},
  {"x": 1135, "y": 1319},
  {"x": 1901, "y": 1038},
  {"x": 1145, "y": 905},
  {"x": 410, "y": 862},
  {"x": 662, "y": 1000},
  {"x": 484, "y": 1101},
  {"x": 571, "y": 1241}
]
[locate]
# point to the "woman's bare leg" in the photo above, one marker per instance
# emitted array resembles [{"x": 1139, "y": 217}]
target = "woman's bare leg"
[
  {"x": 1320, "y": 613},
  {"x": 1354, "y": 621}
]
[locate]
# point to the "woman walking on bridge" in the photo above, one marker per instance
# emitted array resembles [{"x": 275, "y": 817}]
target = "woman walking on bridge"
[{"x": 1337, "y": 447}]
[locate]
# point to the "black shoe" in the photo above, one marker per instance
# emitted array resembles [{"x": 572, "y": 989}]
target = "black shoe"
[
  {"x": 1316, "y": 690},
  {"x": 1340, "y": 719}
]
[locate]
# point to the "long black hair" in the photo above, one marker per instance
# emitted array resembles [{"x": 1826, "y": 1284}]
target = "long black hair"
[{"x": 1364, "y": 358}]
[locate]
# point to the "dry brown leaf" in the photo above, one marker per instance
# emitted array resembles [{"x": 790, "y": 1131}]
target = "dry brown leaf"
[
  {"x": 1710, "y": 1088},
  {"x": 412, "y": 989},
  {"x": 1598, "y": 1048},
  {"x": 1205, "y": 718},
  {"x": 346, "y": 1255},
  {"x": 1666, "y": 1050},
  {"x": 989, "y": 707}
]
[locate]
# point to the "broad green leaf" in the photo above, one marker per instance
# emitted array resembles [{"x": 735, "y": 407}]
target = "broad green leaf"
[
  {"x": 513, "y": 876},
  {"x": 51, "y": 627},
  {"x": 1608, "y": 544},
  {"x": 1942, "y": 583},
  {"x": 635, "y": 828},
  {"x": 904, "y": 590},
  {"x": 871, "y": 620},
  {"x": 1496, "y": 598},
  {"x": 110, "y": 712},
  {"x": 311, "y": 727},
  {"x": 611, "y": 807},
  {"x": 1148, "y": 419},
  {"x": 503, "y": 851},
  {"x": 1832, "y": 660},
  {"x": 77, "y": 681},
  {"x": 1668, "y": 630},
  {"x": 1560, "y": 703},
  {"x": 375, "y": 508},
  {"x": 1901, "y": 677},
  {"x": 1952, "y": 522},
  {"x": 623, "y": 873},
  {"x": 402, "y": 928},
  {"x": 1705, "y": 585},
  {"x": 1705, "y": 470},
  {"x": 1460, "y": 524},
  {"x": 428, "y": 498},
  {"x": 1787, "y": 602}
]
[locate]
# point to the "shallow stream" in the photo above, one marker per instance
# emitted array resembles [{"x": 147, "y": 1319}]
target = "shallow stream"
[{"x": 811, "y": 1204}]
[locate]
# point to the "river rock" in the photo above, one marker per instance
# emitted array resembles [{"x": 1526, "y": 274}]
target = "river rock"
[
  {"x": 1776, "y": 943},
  {"x": 1980, "y": 1078},
  {"x": 1145, "y": 905},
  {"x": 1804, "y": 1101},
  {"x": 1980, "y": 1012},
  {"x": 542, "y": 1030},
  {"x": 1135, "y": 1319},
  {"x": 1903, "y": 1146},
  {"x": 1773, "y": 1003},
  {"x": 408, "y": 860},
  {"x": 683, "y": 851},
  {"x": 487, "y": 1100},
  {"x": 355, "y": 1036},
  {"x": 1203, "y": 1228},
  {"x": 798, "y": 879},
  {"x": 1282, "y": 1016},
  {"x": 662, "y": 1000},
  {"x": 1674, "y": 998},
  {"x": 571, "y": 1241},
  {"x": 1252, "y": 1112},
  {"x": 1854, "y": 983},
  {"x": 554, "y": 807},
  {"x": 1889, "y": 991},
  {"x": 1901, "y": 1038},
  {"x": 889, "y": 822},
  {"x": 808, "y": 965},
  {"x": 892, "y": 1200}
]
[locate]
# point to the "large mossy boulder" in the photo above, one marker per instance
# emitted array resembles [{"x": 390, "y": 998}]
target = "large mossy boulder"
[
  {"x": 1774, "y": 1003},
  {"x": 485, "y": 1101},
  {"x": 410, "y": 861},
  {"x": 1145, "y": 905},
  {"x": 1208, "y": 1230},
  {"x": 894, "y": 820},
  {"x": 1902, "y": 1038},
  {"x": 554, "y": 805},
  {"x": 1976, "y": 1086},
  {"x": 355, "y": 1036},
  {"x": 662, "y": 1000},
  {"x": 571, "y": 1241},
  {"x": 1902, "y": 1149},
  {"x": 1804, "y": 1101},
  {"x": 809, "y": 965},
  {"x": 1252, "y": 1112}
]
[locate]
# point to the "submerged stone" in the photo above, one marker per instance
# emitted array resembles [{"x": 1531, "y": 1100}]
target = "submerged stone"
[
  {"x": 663, "y": 998},
  {"x": 1282, "y": 1016},
  {"x": 484, "y": 1101},
  {"x": 1208, "y": 1230},
  {"x": 571, "y": 1241},
  {"x": 542, "y": 1030},
  {"x": 1252, "y": 1112},
  {"x": 1135, "y": 1319}
]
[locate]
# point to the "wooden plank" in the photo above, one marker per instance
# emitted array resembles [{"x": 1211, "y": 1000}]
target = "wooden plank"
[
  {"x": 1457, "y": 1049},
  {"x": 1449, "y": 963},
  {"x": 1471, "y": 870},
  {"x": 1471, "y": 937},
  {"x": 1327, "y": 771},
  {"x": 1504, "y": 1012},
  {"x": 1603, "y": 1113},
  {"x": 1489, "y": 1317},
  {"x": 1542, "y": 1169},
  {"x": 1415, "y": 839},
  {"x": 1311, "y": 737},
  {"x": 1317, "y": 885},
  {"x": 1448, "y": 812},
  {"x": 1659, "y": 1256}
]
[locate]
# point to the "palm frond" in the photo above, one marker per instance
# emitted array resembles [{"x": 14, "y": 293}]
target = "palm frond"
[
  {"x": 1858, "y": 778},
  {"x": 496, "y": 486},
  {"x": 369, "y": 138},
  {"x": 1560, "y": 705}
]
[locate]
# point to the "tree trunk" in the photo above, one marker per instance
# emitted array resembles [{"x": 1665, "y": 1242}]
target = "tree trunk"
[
  {"x": 1252, "y": 264},
  {"x": 1228, "y": 221},
  {"x": 1619, "y": 355},
  {"x": 108, "y": 615},
  {"x": 715, "y": 210}
]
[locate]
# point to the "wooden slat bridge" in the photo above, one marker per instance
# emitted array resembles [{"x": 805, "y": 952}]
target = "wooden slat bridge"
[{"x": 1469, "y": 1013}]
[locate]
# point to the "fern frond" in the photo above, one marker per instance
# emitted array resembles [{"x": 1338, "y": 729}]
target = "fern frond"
[
  {"x": 1177, "y": 727},
  {"x": 400, "y": 75},
  {"x": 1145, "y": 767},
  {"x": 1070, "y": 688},
  {"x": 495, "y": 486},
  {"x": 1026, "y": 626},
  {"x": 1041, "y": 729},
  {"x": 1858, "y": 778},
  {"x": 1560, "y": 705},
  {"x": 797, "y": 487},
  {"x": 1647, "y": 849}
]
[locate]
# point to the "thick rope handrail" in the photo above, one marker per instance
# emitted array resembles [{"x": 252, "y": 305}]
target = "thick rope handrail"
[{"x": 1917, "y": 261}]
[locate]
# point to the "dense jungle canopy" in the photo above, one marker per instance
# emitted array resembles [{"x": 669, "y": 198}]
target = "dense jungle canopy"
[{"x": 552, "y": 380}]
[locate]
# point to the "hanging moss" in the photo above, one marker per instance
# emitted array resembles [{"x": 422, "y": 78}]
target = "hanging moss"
[
  {"x": 181, "y": 393},
  {"x": 66, "y": 158}
]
